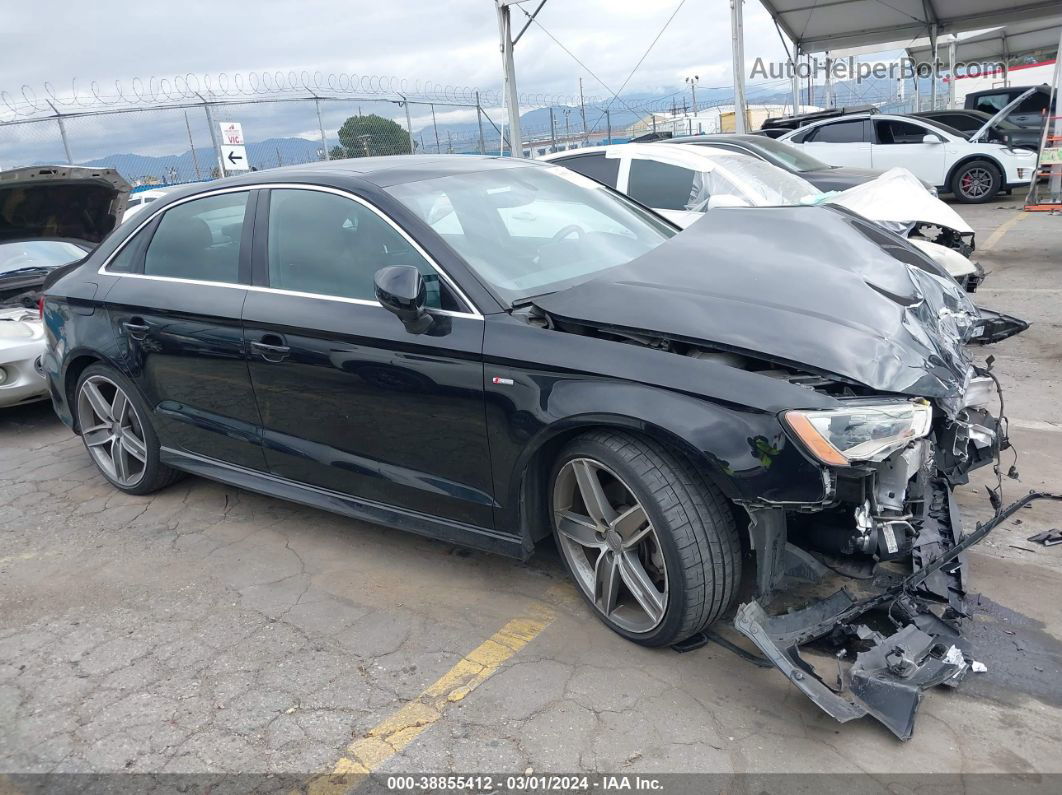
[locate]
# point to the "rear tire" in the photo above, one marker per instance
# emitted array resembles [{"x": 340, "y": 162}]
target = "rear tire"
[
  {"x": 115, "y": 425},
  {"x": 976, "y": 182},
  {"x": 656, "y": 522}
]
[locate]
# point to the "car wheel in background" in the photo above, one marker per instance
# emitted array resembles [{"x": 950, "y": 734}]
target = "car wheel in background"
[
  {"x": 976, "y": 182},
  {"x": 117, "y": 432},
  {"x": 650, "y": 543}
]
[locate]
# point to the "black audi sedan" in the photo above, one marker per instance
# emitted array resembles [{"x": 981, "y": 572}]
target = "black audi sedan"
[{"x": 490, "y": 351}]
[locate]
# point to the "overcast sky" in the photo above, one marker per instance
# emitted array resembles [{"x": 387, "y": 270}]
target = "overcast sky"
[{"x": 445, "y": 41}]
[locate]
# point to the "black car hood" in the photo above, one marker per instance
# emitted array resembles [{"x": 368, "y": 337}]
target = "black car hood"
[
  {"x": 70, "y": 202},
  {"x": 814, "y": 287},
  {"x": 839, "y": 178}
]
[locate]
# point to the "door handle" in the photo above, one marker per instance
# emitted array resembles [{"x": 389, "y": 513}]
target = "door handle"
[
  {"x": 270, "y": 351},
  {"x": 136, "y": 328}
]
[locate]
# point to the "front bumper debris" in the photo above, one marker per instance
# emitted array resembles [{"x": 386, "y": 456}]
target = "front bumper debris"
[{"x": 886, "y": 674}]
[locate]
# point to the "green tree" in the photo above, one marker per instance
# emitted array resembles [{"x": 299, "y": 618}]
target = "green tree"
[
  {"x": 367, "y": 136},
  {"x": 337, "y": 153}
]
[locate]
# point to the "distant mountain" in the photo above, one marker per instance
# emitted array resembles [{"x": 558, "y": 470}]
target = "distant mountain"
[{"x": 187, "y": 168}]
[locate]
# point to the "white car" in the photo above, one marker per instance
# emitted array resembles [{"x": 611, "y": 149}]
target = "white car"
[
  {"x": 940, "y": 155},
  {"x": 142, "y": 198},
  {"x": 682, "y": 181}
]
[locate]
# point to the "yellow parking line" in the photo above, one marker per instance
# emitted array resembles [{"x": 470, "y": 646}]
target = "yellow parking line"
[
  {"x": 389, "y": 737},
  {"x": 996, "y": 236}
]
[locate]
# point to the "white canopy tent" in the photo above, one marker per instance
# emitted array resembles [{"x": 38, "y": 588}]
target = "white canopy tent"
[
  {"x": 815, "y": 26},
  {"x": 1000, "y": 44},
  {"x": 820, "y": 25}
]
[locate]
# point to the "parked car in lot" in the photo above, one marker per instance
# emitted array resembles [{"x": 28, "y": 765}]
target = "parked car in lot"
[
  {"x": 491, "y": 351},
  {"x": 790, "y": 158},
  {"x": 49, "y": 217},
  {"x": 973, "y": 172},
  {"x": 141, "y": 199},
  {"x": 1029, "y": 112},
  {"x": 970, "y": 122},
  {"x": 682, "y": 181}
]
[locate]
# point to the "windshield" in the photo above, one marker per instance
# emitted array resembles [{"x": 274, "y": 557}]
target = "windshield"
[
  {"x": 786, "y": 156},
  {"x": 531, "y": 230},
  {"x": 33, "y": 254},
  {"x": 755, "y": 181},
  {"x": 942, "y": 126}
]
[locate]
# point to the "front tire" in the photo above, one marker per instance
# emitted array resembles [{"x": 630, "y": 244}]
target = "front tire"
[
  {"x": 650, "y": 543},
  {"x": 116, "y": 428},
  {"x": 976, "y": 182}
]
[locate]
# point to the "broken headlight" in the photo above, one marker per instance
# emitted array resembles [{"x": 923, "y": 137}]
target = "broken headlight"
[{"x": 867, "y": 432}]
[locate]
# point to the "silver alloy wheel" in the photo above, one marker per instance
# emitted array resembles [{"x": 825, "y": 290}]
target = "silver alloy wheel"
[
  {"x": 611, "y": 545},
  {"x": 976, "y": 183},
  {"x": 112, "y": 430}
]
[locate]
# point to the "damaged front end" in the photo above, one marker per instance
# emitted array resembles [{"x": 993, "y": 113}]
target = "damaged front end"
[{"x": 895, "y": 529}]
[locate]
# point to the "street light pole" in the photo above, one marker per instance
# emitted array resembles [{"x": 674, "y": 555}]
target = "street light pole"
[
  {"x": 693, "y": 89},
  {"x": 512, "y": 102},
  {"x": 737, "y": 39}
]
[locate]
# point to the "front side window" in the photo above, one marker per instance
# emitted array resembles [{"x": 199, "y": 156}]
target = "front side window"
[
  {"x": 840, "y": 132},
  {"x": 199, "y": 240},
  {"x": 893, "y": 131},
  {"x": 660, "y": 185},
  {"x": 596, "y": 166},
  {"x": 530, "y": 229},
  {"x": 331, "y": 245}
]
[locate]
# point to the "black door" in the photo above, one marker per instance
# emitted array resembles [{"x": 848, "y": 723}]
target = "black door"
[
  {"x": 350, "y": 401},
  {"x": 176, "y": 316}
]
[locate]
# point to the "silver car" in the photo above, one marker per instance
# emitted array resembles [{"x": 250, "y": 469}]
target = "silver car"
[{"x": 50, "y": 216}]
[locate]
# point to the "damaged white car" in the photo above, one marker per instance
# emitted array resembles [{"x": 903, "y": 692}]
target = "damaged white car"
[{"x": 682, "y": 181}]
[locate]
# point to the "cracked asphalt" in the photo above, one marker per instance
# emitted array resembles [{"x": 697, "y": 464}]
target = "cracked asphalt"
[{"x": 206, "y": 629}]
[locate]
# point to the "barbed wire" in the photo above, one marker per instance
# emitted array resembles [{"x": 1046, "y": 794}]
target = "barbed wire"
[{"x": 29, "y": 102}]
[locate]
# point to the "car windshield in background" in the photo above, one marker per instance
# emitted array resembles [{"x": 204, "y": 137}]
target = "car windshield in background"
[
  {"x": 31, "y": 254},
  {"x": 787, "y": 156},
  {"x": 760, "y": 182},
  {"x": 531, "y": 230}
]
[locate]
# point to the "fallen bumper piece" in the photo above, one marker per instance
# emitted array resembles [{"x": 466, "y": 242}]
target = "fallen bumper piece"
[{"x": 890, "y": 672}]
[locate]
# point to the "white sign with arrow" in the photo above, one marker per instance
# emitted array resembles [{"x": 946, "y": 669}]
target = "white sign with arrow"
[
  {"x": 231, "y": 133},
  {"x": 234, "y": 158}
]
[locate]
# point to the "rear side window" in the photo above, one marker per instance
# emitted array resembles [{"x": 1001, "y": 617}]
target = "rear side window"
[
  {"x": 839, "y": 132},
  {"x": 660, "y": 185},
  {"x": 1034, "y": 103},
  {"x": 199, "y": 240},
  {"x": 596, "y": 166},
  {"x": 330, "y": 245}
]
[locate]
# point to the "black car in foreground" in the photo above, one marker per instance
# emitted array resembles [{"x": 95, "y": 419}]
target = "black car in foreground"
[{"x": 491, "y": 351}]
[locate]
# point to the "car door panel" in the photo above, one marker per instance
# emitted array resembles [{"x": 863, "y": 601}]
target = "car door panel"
[
  {"x": 360, "y": 406},
  {"x": 181, "y": 341},
  {"x": 898, "y": 143},
  {"x": 841, "y": 143},
  {"x": 351, "y": 401}
]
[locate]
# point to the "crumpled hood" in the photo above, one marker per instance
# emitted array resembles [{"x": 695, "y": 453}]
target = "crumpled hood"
[
  {"x": 72, "y": 202},
  {"x": 815, "y": 287},
  {"x": 897, "y": 199}
]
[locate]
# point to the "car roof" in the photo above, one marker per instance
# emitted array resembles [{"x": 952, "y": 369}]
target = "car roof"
[
  {"x": 721, "y": 137},
  {"x": 379, "y": 171}
]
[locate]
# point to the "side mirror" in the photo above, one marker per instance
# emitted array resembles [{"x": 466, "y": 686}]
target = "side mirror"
[
  {"x": 930, "y": 138},
  {"x": 400, "y": 290}
]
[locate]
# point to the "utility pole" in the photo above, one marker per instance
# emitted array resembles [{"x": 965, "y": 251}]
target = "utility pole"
[
  {"x": 829, "y": 81},
  {"x": 409, "y": 128},
  {"x": 608, "y": 123},
  {"x": 582, "y": 110},
  {"x": 936, "y": 60},
  {"x": 479, "y": 121},
  {"x": 320, "y": 126},
  {"x": 951, "y": 70},
  {"x": 693, "y": 89},
  {"x": 438, "y": 147},
  {"x": 552, "y": 131},
  {"x": 737, "y": 39},
  {"x": 567, "y": 128},
  {"x": 191, "y": 143},
  {"x": 512, "y": 101}
]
